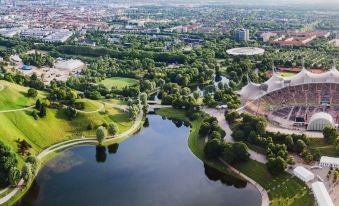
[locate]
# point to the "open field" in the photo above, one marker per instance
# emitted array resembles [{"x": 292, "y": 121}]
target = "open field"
[
  {"x": 283, "y": 190},
  {"x": 13, "y": 96},
  {"x": 324, "y": 147},
  {"x": 119, "y": 82}
]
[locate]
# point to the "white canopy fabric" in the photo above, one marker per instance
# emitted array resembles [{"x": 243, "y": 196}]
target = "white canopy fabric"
[
  {"x": 319, "y": 121},
  {"x": 321, "y": 195},
  {"x": 303, "y": 174},
  {"x": 254, "y": 91}
]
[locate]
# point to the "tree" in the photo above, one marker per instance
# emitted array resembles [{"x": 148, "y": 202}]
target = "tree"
[
  {"x": 26, "y": 172},
  {"x": 213, "y": 148},
  {"x": 42, "y": 111},
  {"x": 101, "y": 134},
  {"x": 143, "y": 98},
  {"x": 240, "y": 151},
  {"x": 330, "y": 134},
  {"x": 71, "y": 113},
  {"x": 112, "y": 129},
  {"x": 37, "y": 104},
  {"x": 32, "y": 92},
  {"x": 300, "y": 146},
  {"x": 35, "y": 163},
  {"x": 14, "y": 176},
  {"x": 276, "y": 166}
]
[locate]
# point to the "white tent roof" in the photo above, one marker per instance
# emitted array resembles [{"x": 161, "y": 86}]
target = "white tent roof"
[
  {"x": 254, "y": 91},
  {"x": 319, "y": 120},
  {"x": 321, "y": 194},
  {"x": 329, "y": 160},
  {"x": 303, "y": 174}
]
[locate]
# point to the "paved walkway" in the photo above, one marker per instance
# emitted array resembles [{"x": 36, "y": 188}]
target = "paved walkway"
[
  {"x": 102, "y": 106},
  {"x": 17, "y": 110},
  {"x": 70, "y": 143},
  {"x": 219, "y": 114},
  {"x": 265, "y": 201}
]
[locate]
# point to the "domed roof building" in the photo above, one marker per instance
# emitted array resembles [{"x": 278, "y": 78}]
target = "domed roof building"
[{"x": 319, "y": 121}]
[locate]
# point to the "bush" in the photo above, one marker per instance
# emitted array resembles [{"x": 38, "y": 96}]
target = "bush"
[{"x": 32, "y": 93}]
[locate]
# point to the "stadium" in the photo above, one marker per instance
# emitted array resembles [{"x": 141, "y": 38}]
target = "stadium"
[{"x": 305, "y": 101}]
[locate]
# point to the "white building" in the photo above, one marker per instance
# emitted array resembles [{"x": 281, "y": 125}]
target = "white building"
[
  {"x": 319, "y": 121},
  {"x": 329, "y": 162},
  {"x": 321, "y": 195},
  {"x": 303, "y": 174},
  {"x": 242, "y": 35}
]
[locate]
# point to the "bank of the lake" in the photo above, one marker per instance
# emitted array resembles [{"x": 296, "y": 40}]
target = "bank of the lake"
[
  {"x": 283, "y": 190},
  {"x": 152, "y": 167}
]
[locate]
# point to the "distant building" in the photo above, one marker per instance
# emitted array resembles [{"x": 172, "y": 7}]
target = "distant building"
[{"x": 242, "y": 35}]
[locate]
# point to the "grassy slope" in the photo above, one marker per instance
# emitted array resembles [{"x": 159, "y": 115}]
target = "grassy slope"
[
  {"x": 90, "y": 105},
  {"x": 13, "y": 96},
  {"x": 119, "y": 82},
  {"x": 253, "y": 169}
]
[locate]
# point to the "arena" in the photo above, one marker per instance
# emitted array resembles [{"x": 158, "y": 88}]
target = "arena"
[
  {"x": 297, "y": 101},
  {"x": 245, "y": 51}
]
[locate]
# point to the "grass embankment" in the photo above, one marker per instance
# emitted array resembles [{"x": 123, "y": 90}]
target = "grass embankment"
[
  {"x": 283, "y": 190},
  {"x": 53, "y": 128},
  {"x": 90, "y": 105},
  {"x": 325, "y": 148},
  {"x": 119, "y": 82},
  {"x": 13, "y": 96},
  {"x": 195, "y": 142}
]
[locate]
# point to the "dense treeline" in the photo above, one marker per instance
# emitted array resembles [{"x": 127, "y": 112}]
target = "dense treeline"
[{"x": 251, "y": 129}]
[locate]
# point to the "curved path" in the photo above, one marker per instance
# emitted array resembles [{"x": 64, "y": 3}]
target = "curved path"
[
  {"x": 265, "y": 201},
  {"x": 17, "y": 110},
  {"x": 102, "y": 106},
  {"x": 2, "y": 87},
  {"x": 67, "y": 144},
  {"x": 219, "y": 114}
]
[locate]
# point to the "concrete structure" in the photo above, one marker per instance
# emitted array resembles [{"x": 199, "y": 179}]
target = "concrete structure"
[
  {"x": 319, "y": 121},
  {"x": 329, "y": 162},
  {"x": 242, "y": 35},
  {"x": 245, "y": 51},
  {"x": 303, "y": 174},
  {"x": 321, "y": 195}
]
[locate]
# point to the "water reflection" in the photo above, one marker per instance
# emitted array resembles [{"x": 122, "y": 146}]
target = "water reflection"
[
  {"x": 100, "y": 154},
  {"x": 154, "y": 167},
  {"x": 229, "y": 180},
  {"x": 113, "y": 148}
]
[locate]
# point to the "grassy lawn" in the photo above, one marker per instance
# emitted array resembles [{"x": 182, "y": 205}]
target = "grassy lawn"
[
  {"x": 286, "y": 74},
  {"x": 119, "y": 82},
  {"x": 90, "y": 105},
  {"x": 324, "y": 147},
  {"x": 13, "y": 96},
  {"x": 283, "y": 190},
  {"x": 55, "y": 127}
]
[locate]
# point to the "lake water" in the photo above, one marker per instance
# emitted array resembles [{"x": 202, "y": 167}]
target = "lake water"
[{"x": 151, "y": 168}]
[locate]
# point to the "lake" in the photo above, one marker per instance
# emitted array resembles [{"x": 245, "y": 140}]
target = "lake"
[{"x": 152, "y": 167}]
